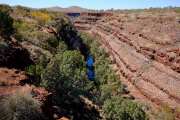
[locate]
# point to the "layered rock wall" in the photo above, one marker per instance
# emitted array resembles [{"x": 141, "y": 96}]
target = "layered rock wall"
[{"x": 146, "y": 49}]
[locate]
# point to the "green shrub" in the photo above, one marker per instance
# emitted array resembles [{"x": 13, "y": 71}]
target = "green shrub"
[
  {"x": 62, "y": 47},
  {"x": 51, "y": 43},
  {"x": 22, "y": 29},
  {"x": 37, "y": 69},
  {"x": 20, "y": 106},
  {"x": 34, "y": 70},
  {"x": 72, "y": 64},
  {"x": 36, "y": 37},
  {"x": 66, "y": 72},
  {"x": 51, "y": 75},
  {"x": 111, "y": 89},
  {"x": 6, "y": 25},
  {"x": 22, "y": 26},
  {"x": 118, "y": 108}
]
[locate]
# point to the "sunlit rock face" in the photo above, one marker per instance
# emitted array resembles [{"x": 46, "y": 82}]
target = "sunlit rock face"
[
  {"x": 146, "y": 48},
  {"x": 87, "y": 19}
]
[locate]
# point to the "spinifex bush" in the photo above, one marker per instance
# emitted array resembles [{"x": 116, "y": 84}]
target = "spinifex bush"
[
  {"x": 20, "y": 106},
  {"x": 118, "y": 108},
  {"x": 166, "y": 113}
]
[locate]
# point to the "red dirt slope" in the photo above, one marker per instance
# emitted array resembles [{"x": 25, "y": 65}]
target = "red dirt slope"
[{"x": 10, "y": 80}]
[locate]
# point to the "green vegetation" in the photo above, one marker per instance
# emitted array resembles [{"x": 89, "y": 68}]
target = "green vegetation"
[
  {"x": 23, "y": 30},
  {"x": 6, "y": 25},
  {"x": 67, "y": 70},
  {"x": 64, "y": 72},
  {"x": 117, "y": 108},
  {"x": 114, "y": 106},
  {"x": 23, "y": 26},
  {"x": 20, "y": 106}
]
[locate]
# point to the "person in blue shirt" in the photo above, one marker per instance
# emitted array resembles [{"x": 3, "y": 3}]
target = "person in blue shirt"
[
  {"x": 91, "y": 74},
  {"x": 90, "y": 68},
  {"x": 90, "y": 61}
]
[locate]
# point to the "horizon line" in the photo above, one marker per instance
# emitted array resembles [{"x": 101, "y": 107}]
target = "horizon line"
[{"x": 160, "y": 7}]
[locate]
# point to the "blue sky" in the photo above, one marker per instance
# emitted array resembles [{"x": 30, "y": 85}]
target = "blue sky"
[{"x": 95, "y": 4}]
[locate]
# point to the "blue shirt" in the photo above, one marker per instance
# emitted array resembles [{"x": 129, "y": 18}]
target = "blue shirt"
[{"x": 90, "y": 61}]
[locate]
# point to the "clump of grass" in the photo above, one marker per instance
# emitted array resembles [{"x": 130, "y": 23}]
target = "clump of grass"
[
  {"x": 166, "y": 113},
  {"x": 20, "y": 106}
]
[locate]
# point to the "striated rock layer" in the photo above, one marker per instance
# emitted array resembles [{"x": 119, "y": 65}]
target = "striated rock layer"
[{"x": 146, "y": 50}]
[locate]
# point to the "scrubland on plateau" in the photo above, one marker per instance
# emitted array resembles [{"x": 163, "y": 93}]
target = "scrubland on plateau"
[{"x": 43, "y": 71}]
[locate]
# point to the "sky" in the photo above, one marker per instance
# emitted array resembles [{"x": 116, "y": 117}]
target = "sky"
[{"x": 94, "y": 4}]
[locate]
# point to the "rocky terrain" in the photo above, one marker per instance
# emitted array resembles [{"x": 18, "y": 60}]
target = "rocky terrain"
[
  {"x": 30, "y": 85},
  {"x": 14, "y": 59},
  {"x": 145, "y": 47},
  {"x": 43, "y": 64},
  {"x": 88, "y": 19}
]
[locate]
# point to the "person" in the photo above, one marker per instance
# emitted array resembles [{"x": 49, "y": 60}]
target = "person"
[
  {"x": 91, "y": 73},
  {"x": 90, "y": 68},
  {"x": 90, "y": 61}
]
